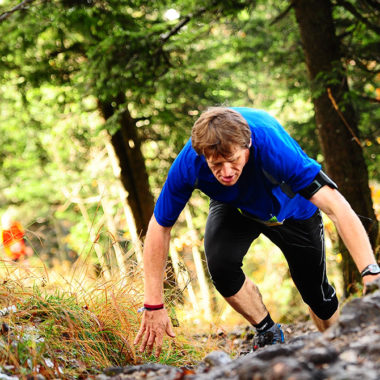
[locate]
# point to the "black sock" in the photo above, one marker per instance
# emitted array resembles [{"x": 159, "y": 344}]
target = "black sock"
[{"x": 265, "y": 324}]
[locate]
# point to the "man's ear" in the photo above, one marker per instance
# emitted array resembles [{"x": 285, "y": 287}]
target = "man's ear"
[{"x": 250, "y": 143}]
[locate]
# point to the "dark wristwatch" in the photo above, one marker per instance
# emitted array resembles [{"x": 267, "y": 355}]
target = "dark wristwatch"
[{"x": 371, "y": 269}]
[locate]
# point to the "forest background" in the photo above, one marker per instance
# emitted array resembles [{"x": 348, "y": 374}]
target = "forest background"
[{"x": 98, "y": 97}]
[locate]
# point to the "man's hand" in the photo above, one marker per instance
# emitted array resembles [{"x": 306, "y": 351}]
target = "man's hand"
[
  {"x": 153, "y": 327},
  {"x": 367, "y": 280}
]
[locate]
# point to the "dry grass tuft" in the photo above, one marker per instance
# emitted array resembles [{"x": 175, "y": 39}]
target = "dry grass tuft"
[{"x": 64, "y": 323}]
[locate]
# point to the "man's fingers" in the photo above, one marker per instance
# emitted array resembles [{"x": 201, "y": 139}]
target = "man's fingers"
[
  {"x": 144, "y": 341},
  {"x": 139, "y": 335},
  {"x": 155, "y": 326},
  {"x": 159, "y": 340},
  {"x": 150, "y": 342},
  {"x": 169, "y": 330}
]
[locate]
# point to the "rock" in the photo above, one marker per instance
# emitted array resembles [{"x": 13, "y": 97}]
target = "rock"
[
  {"x": 251, "y": 368},
  {"x": 320, "y": 355},
  {"x": 348, "y": 350},
  {"x": 357, "y": 314},
  {"x": 306, "y": 337},
  {"x": 289, "y": 368},
  {"x": 6, "y": 377},
  {"x": 349, "y": 356},
  {"x": 217, "y": 358},
  {"x": 351, "y": 372},
  {"x": 271, "y": 352},
  {"x": 144, "y": 371},
  {"x": 373, "y": 286},
  {"x": 112, "y": 371}
]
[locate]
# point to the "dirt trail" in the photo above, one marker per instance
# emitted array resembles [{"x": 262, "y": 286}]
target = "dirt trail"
[{"x": 349, "y": 350}]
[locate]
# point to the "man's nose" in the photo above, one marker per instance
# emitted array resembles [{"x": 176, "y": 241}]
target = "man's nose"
[{"x": 227, "y": 169}]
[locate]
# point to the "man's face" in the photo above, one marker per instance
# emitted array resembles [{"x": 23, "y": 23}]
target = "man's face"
[{"x": 227, "y": 170}]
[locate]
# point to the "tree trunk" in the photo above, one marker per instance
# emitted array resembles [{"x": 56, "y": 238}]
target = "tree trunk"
[
  {"x": 336, "y": 119},
  {"x": 133, "y": 174},
  {"x": 136, "y": 242}
]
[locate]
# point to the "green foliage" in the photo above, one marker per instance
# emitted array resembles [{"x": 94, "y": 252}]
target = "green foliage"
[
  {"x": 67, "y": 52},
  {"x": 60, "y": 60},
  {"x": 361, "y": 56},
  {"x": 103, "y": 49},
  {"x": 66, "y": 334},
  {"x": 53, "y": 334}
]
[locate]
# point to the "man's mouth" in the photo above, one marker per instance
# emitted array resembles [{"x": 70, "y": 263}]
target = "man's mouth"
[{"x": 228, "y": 179}]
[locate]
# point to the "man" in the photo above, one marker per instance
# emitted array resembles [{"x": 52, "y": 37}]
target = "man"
[{"x": 259, "y": 181}]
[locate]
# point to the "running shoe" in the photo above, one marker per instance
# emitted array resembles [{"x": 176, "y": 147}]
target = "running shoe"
[{"x": 274, "y": 335}]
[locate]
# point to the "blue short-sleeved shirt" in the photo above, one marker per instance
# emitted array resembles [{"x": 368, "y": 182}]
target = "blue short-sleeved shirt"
[{"x": 273, "y": 151}]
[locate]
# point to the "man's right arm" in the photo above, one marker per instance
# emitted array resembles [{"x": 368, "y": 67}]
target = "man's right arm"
[
  {"x": 155, "y": 323},
  {"x": 156, "y": 248},
  {"x": 173, "y": 197}
]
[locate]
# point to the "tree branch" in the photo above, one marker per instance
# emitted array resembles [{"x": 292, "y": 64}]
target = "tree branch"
[
  {"x": 373, "y": 100},
  {"x": 372, "y": 3},
  {"x": 282, "y": 14},
  {"x": 335, "y": 105},
  {"x": 350, "y": 8},
  {"x": 186, "y": 19},
  {"x": 176, "y": 29},
  {"x": 18, "y": 7},
  {"x": 362, "y": 65}
]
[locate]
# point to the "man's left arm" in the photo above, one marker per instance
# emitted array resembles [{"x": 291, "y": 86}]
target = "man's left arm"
[{"x": 349, "y": 227}]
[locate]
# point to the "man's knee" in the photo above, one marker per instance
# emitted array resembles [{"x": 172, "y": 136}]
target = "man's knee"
[
  {"x": 228, "y": 286},
  {"x": 227, "y": 279},
  {"x": 324, "y": 309}
]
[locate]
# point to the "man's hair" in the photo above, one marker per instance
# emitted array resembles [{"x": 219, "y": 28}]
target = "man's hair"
[{"x": 219, "y": 129}]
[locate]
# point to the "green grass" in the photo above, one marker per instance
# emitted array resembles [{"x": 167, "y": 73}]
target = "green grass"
[{"x": 60, "y": 332}]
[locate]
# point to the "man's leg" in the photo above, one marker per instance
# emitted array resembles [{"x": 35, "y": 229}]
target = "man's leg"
[
  {"x": 322, "y": 324},
  {"x": 302, "y": 242},
  {"x": 249, "y": 303},
  {"x": 227, "y": 239}
]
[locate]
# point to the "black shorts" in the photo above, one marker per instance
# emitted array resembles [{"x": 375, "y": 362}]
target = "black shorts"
[{"x": 229, "y": 235}]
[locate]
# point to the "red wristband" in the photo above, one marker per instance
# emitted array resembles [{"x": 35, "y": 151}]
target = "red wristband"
[{"x": 153, "y": 307}]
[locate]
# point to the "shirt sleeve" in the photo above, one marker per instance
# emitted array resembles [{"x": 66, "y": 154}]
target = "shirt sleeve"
[
  {"x": 177, "y": 189},
  {"x": 282, "y": 157}
]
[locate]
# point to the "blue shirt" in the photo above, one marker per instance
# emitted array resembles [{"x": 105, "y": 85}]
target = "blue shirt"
[{"x": 273, "y": 152}]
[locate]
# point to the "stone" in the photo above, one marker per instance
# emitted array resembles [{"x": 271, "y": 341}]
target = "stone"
[
  {"x": 250, "y": 368},
  {"x": 289, "y": 368},
  {"x": 373, "y": 286},
  {"x": 320, "y": 355},
  {"x": 274, "y": 351},
  {"x": 349, "y": 356},
  {"x": 217, "y": 358}
]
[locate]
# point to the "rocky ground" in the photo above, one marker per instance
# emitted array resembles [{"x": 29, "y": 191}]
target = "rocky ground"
[{"x": 349, "y": 350}]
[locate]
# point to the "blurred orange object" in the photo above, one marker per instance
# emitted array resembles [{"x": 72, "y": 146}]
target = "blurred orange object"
[{"x": 13, "y": 241}]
